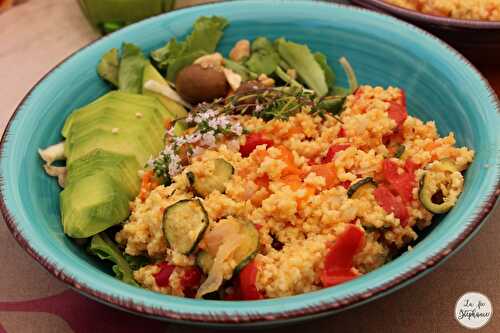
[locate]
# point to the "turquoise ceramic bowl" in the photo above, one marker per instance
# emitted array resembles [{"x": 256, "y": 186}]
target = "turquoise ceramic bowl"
[{"x": 440, "y": 85}]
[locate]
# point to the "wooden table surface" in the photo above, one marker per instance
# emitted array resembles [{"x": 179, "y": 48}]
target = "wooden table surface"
[{"x": 39, "y": 34}]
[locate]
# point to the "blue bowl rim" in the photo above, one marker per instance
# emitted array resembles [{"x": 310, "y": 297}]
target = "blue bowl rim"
[
  {"x": 441, "y": 21},
  {"x": 316, "y": 311}
]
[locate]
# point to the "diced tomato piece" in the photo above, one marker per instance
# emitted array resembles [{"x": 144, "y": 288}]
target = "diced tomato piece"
[
  {"x": 403, "y": 98},
  {"x": 191, "y": 277},
  {"x": 333, "y": 150},
  {"x": 397, "y": 112},
  {"x": 246, "y": 280},
  {"x": 346, "y": 184},
  {"x": 326, "y": 171},
  {"x": 342, "y": 133},
  {"x": 411, "y": 167},
  {"x": 346, "y": 246},
  {"x": 401, "y": 183},
  {"x": 257, "y": 226},
  {"x": 390, "y": 171},
  {"x": 339, "y": 258},
  {"x": 162, "y": 277},
  {"x": 252, "y": 141},
  {"x": 391, "y": 203},
  {"x": 190, "y": 281}
]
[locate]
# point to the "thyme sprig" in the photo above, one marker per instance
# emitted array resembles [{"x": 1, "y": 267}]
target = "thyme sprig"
[{"x": 276, "y": 103}]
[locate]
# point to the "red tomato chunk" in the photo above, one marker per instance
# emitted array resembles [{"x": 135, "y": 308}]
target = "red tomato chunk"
[
  {"x": 401, "y": 183},
  {"x": 332, "y": 151},
  {"x": 163, "y": 276},
  {"x": 246, "y": 281},
  {"x": 391, "y": 203},
  {"x": 252, "y": 141},
  {"x": 190, "y": 281},
  {"x": 338, "y": 265}
]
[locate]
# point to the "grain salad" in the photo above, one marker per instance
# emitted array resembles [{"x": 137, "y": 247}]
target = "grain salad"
[
  {"x": 249, "y": 177},
  {"x": 487, "y": 10},
  {"x": 294, "y": 190}
]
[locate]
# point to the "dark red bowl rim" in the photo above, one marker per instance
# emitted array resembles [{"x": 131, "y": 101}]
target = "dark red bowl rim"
[
  {"x": 311, "y": 312},
  {"x": 414, "y": 16}
]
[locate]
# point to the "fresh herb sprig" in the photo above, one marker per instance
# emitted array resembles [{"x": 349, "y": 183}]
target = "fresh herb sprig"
[{"x": 271, "y": 103}]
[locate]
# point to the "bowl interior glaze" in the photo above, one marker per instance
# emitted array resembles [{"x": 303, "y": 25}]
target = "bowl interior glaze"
[{"x": 439, "y": 83}]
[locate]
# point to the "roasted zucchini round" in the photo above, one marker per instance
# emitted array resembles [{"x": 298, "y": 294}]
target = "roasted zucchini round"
[
  {"x": 440, "y": 186},
  {"x": 184, "y": 224}
]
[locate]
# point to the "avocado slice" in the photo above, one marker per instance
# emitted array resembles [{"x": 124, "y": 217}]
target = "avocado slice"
[
  {"x": 150, "y": 73},
  {"x": 127, "y": 102},
  {"x": 146, "y": 130},
  {"x": 143, "y": 100},
  {"x": 107, "y": 142},
  {"x": 93, "y": 204},
  {"x": 109, "y": 118},
  {"x": 122, "y": 168},
  {"x": 129, "y": 142}
]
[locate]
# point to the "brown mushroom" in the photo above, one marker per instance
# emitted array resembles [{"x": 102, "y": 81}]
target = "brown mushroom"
[{"x": 196, "y": 83}]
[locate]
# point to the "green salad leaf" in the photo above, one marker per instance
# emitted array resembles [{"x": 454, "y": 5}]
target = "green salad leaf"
[
  {"x": 264, "y": 58},
  {"x": 181, "y": 62},
  {"x": 104, "y": 248},
  {"x": 136, "y": 262},
  {"x": 329, "y": 73},
  {"x": 131, "y": 69},
  {"x": 207, "y": 31},
  {"x": 334, "y": 104},
  {"x": 300, "y": 58},
  {"x": 108, "y": 66}
]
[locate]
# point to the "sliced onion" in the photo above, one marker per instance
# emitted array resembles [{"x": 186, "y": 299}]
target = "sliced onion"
[
  {"x": 215, "y": 237},
  {"x": 216, "y": 274},
  {"x": 165, "y": 90}
]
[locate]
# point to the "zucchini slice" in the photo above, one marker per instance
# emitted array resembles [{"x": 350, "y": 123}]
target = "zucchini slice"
[
  {"x": 356, "y": 189},
  {"x": 204, "y": 260},
  {"x": 248, "y": 247},
  {"x": 184, "y": 224},
  {"x": 203, "y": 186},
  {"x": 440, "y": 186}
]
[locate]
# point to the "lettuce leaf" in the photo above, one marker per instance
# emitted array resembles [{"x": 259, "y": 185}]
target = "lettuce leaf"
[
  {"x": 104, "y": 248},
  {"x": 300, "y": 58},
  {"x": 131, "y": 69},
  {"x": 207, "y": 31},
  {"x": 108, "y": 66},
  {"x": 264, "y": 59},
  {"x": 329, "y": 73},
  {"x": 181, "y": 62}
]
